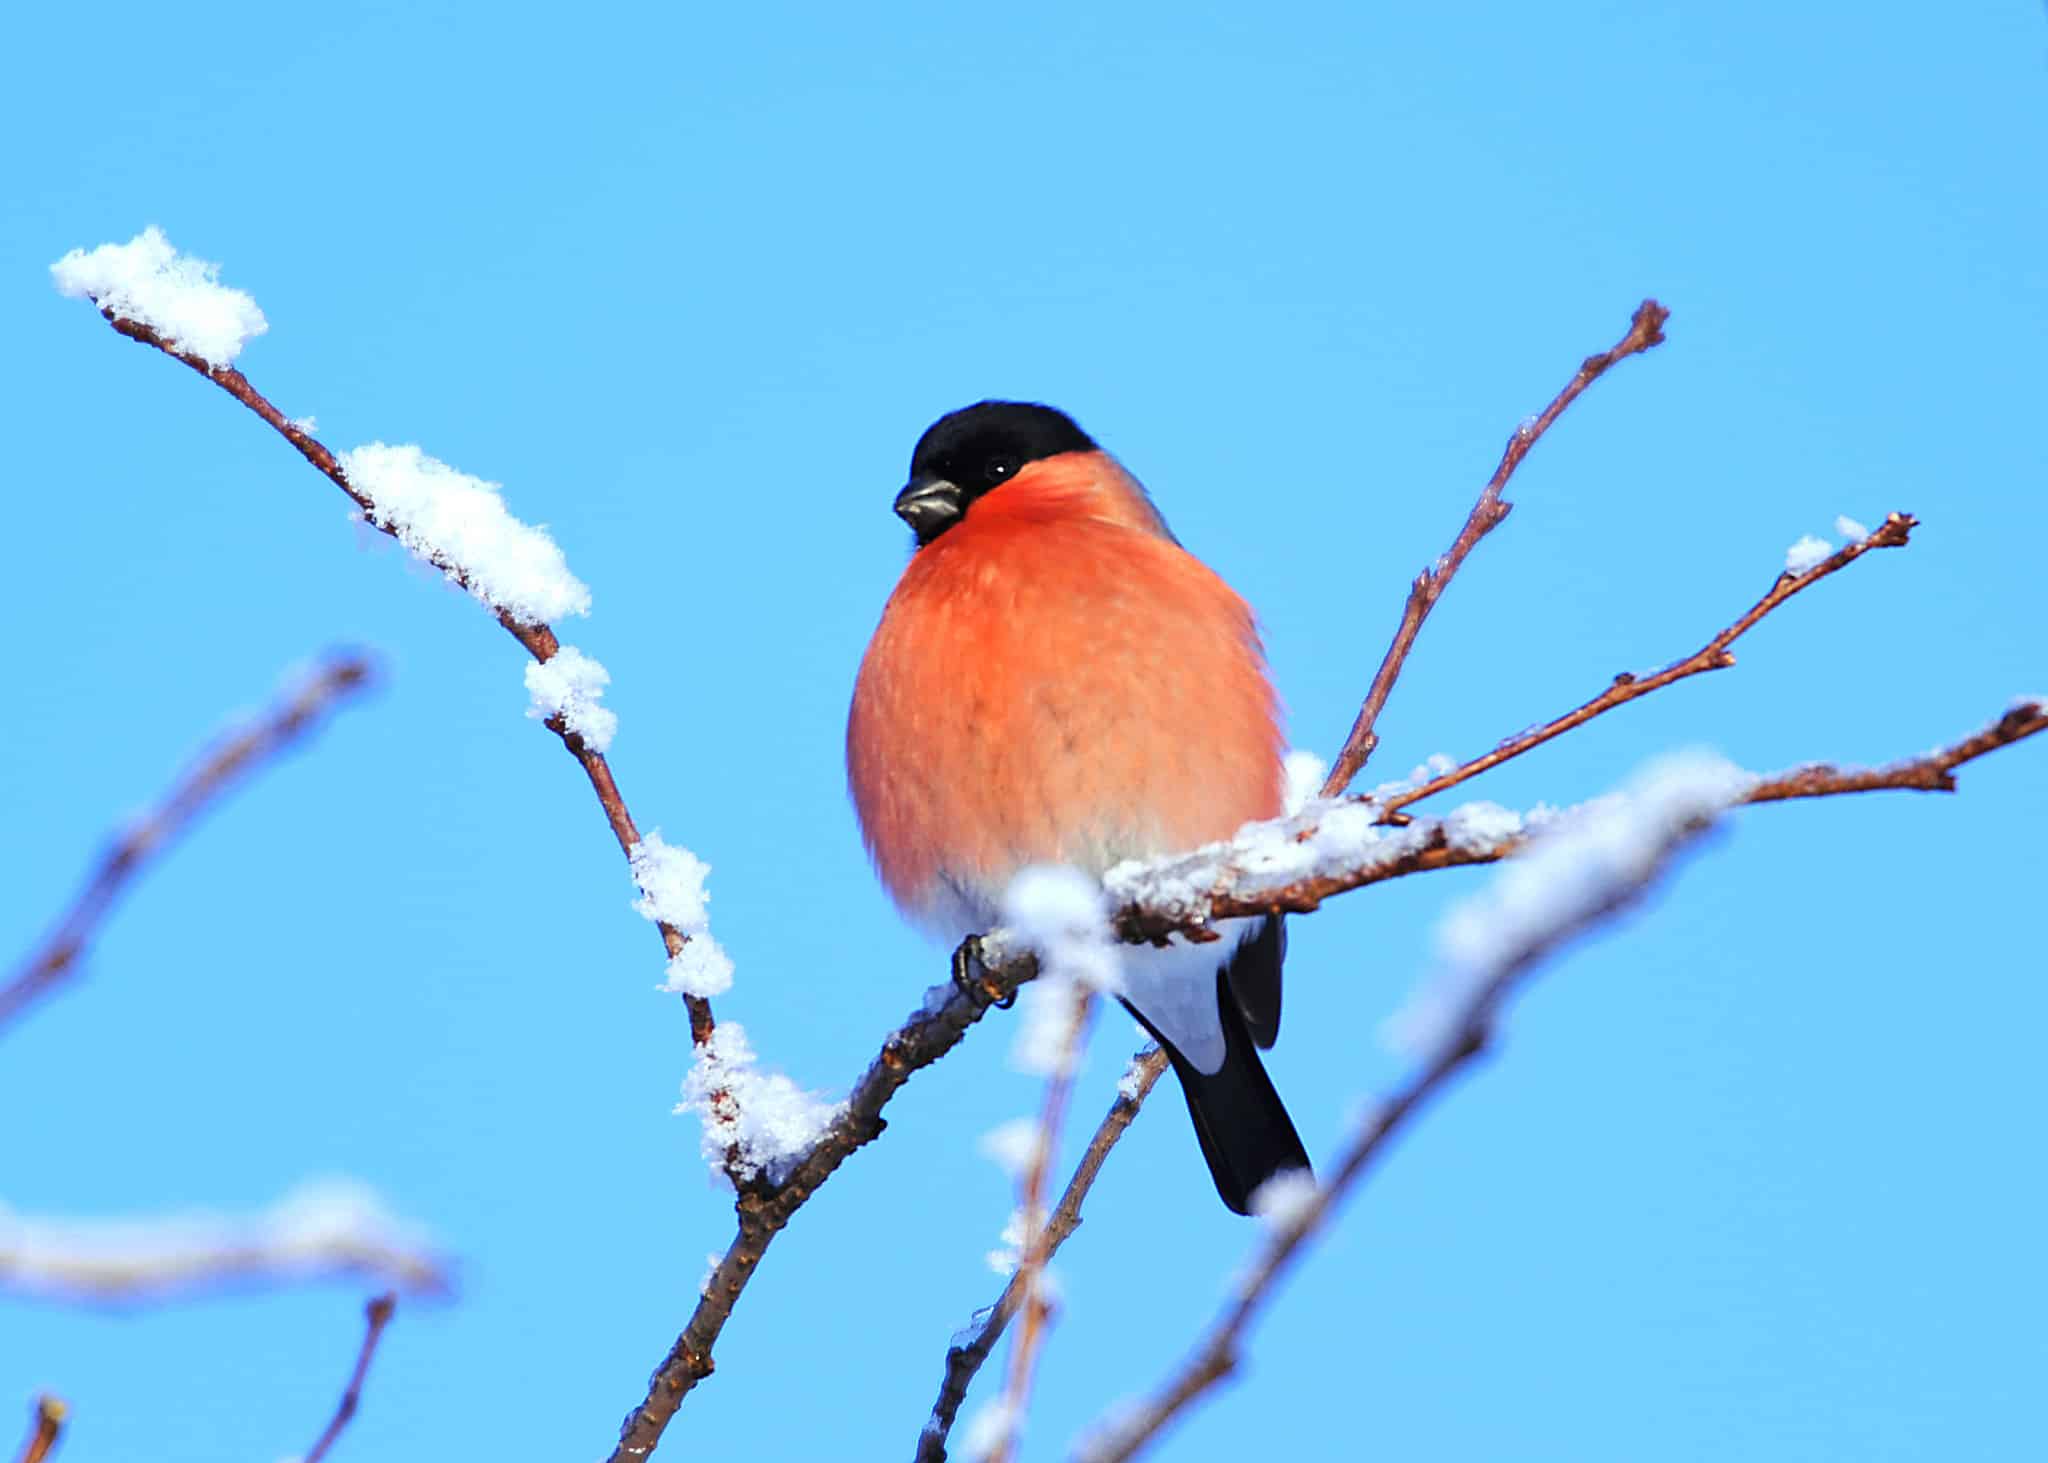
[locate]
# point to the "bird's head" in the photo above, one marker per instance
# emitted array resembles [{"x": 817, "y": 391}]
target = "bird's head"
[{"x": 971, "y": 452}]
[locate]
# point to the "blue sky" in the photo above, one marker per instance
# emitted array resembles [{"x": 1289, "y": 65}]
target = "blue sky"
[{"x": 1752, "y": 1176}]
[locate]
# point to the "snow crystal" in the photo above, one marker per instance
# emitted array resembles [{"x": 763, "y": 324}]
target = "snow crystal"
[
  {"x": 1575, "y": 865},
  {"x": 1806, "y": 554},
  {"x": 181, "y": 298},
  {"x": 1285, "y": 1199},
  {"x": 460, "y": 524},
  {"x": 1012, "y": 1146},
  {"x": 987, "y": 1429},
  {"x": 671, "y": 884},
  {"x": 1059, "y": 913},
  {"x": 766, "y": 1121},
  {"x": 1009, "y": 1253},
  {"x": 570, "y": 684},
  {"x": 1128, "y": 1084},
  {"x": 1850, "y": 529},
  {"x": 701, "y": 969},
  {"x": 1481, "y": 827},
  {"x": 1046, "y": 1043},
  {"x": 1304, "y": 773}
]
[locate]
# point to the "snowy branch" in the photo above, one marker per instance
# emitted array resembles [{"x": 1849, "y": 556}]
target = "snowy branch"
[
  {"x": 1291, "y": 865},
  {"x": 231, "y": 759},
  {"x": 316, "y": 1232},
  {"x": 571, "y": 719},
  {"x": 1578, "y": 877},
  {"x": 1645, "y": 330},
  {"x": 376, "y": 1316}
]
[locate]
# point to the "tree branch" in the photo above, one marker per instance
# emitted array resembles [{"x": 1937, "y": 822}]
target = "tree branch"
[
  {"x": 1645, "y": 330},
  {"x": 376, "y": 1315},
  {"x": 1893, "y": 533},
  {"x": 316, "y": 1232},
  {"x": 44, "y": 1428},
  {"x": 1215, "y": 1356},
  {"x": 965, "y": 1358},
  {"x": 230, "y": 760},
  {"x": 539, "y": 639}
]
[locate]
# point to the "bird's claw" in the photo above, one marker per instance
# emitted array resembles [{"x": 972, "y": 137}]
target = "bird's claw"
[{"x": 969, "y": 974}]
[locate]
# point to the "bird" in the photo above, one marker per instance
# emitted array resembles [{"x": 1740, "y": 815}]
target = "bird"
[{"x": 1055, "y": 680}]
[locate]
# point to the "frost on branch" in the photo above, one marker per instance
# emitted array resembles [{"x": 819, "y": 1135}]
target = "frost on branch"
[
  {"x": 1283, "y": 1200},
  {"x": 1578, "y": 863},
  {"x": 325, "y": 1228},
  {"x": 459, "y": 523},
  {"x": 1059, "y": 914},
  {"x": 762, "y": 1119},
  {"x": 671, "y": 884},
  {"x": 1807, "y": 554},
  {"x": 570, "y": 684},
  {"x": 147, "y": 281}
]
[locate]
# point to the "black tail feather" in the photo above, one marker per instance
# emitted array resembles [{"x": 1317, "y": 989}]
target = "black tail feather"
[{"x": 1244, "y": 1130}]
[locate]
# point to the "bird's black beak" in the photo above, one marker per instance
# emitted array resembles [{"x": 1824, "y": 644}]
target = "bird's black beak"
[{"x": 930, "y": 505}]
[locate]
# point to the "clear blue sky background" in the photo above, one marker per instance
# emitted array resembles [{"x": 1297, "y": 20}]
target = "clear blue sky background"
[{"x": 1757, "y": 1176}]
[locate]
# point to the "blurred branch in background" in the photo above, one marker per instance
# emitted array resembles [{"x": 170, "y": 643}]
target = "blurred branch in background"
[
  {"x": 318, "y": 1231},
  {"x": 217, "y": 771}
]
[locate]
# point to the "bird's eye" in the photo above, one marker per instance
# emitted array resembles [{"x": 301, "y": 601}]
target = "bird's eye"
[{"x": 1000, "y": 468}]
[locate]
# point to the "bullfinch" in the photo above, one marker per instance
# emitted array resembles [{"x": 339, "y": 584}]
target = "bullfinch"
[{"x": 1055, "y": 680}]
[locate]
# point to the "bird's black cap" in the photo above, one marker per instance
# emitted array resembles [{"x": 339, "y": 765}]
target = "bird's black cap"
[{"x": 966, "y": 453}]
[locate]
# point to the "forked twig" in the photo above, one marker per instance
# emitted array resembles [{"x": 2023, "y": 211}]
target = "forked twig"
[
  {"x": 1893, "y": 533},
  {"x": 1645, "y": 330}
]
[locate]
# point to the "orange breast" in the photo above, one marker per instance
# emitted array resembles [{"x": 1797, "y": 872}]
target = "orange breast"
[{"x": 1054, "y": 680}]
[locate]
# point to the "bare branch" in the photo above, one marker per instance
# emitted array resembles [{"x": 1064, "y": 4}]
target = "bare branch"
[
  {"x": 376, "y": 1316},
  {"x": 206, "y": 782},
  {"x": 539, "y": 639},
  {"x": 44, "y": 1427},
  {"x": 965, "y": 1358},
  {"x": 1645, "y": 330},
  {"x": 317, "y": 1232},
  {"x": 1893, "y": 533}
]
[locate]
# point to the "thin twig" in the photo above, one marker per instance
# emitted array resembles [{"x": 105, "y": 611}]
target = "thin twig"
[
  {"x": 539, "y": 639},
  {"x": 1645, "y": 330},
  {"x": 376, "y": 1315},
  {"x": 44, "y": 1428},
  {"x": 208, "y": 779},
  {"x": 1036, "y": 1310},
  {"x": 965, "y": 1359},
  {"x": 1893, "y": 533}
]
